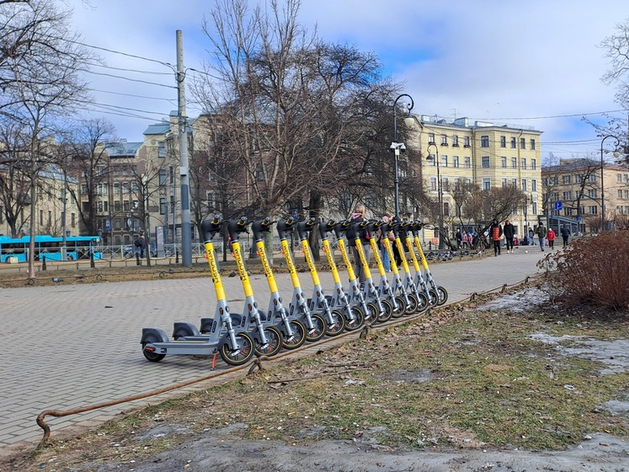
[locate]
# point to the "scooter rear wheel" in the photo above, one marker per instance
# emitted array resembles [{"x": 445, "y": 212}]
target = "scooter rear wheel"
[
  {"x": 239, "y": 356},
  {"x": 320, "y": 327},
  {"x": 150, "y": 355},
  {"x": 298, "y": 338},
  {"x": 339, "y": 324},
  {"x": 274, "y": 342}
]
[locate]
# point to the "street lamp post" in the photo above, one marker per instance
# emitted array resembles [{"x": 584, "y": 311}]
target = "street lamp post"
[
  {"x": 439, "y": 189},
  {"x": 603, "y": 179},
  {"x": 397, "y": 148}
]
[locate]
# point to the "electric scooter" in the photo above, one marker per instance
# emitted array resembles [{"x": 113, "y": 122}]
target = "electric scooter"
[
  {"x": 293, "y": 330},
  {"x": 419, "y": 300},
  {"x": 385, "y": 308},
  {"x": 356, "y": 296},
  {"x": 416, "y": 285},
  {"x": 234, "y": 344},
  {"x": 298, "y": 307},
  {"x": 398, "y": 302},
  {"x": 408, "y": 300},
  {"x": 318, "y": 302},
  {"x": 442, "y": 293},
  {"x": 354, "y": 316}
]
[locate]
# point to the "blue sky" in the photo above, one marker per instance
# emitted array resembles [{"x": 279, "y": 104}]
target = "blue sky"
[{"x": 536, "y": 63}]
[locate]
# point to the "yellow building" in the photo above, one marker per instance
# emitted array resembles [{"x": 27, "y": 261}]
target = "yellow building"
[{"x": 486, "y": 154}]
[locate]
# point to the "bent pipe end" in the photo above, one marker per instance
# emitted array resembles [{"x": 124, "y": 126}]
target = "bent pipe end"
[{"x": 210, "y": 227}]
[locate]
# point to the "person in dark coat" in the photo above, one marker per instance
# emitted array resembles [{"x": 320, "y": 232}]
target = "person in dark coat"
[
  {"x": 565, "y": 234},
  {"x": 509, "y": 232}
]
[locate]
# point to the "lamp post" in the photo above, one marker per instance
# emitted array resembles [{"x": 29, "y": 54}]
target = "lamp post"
[
  {"x": 439, "y": 188},
  {"x": 603, "y": 180},
  {"x": 397, "y": 148}
]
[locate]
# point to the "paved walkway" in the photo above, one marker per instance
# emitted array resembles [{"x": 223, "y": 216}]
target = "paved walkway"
[{"x": 71, "y": 346}]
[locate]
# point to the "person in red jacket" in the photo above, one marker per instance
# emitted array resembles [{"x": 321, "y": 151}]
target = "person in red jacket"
[
  {"x": 496, "y": 234},
  {"x": 551, "y": 238}
]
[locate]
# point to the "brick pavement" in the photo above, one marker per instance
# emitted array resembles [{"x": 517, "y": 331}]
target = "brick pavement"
[{"x": 71, "y": 346}]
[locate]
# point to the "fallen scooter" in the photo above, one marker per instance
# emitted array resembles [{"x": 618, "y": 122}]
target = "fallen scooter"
[{"x": 234, "y": 344}]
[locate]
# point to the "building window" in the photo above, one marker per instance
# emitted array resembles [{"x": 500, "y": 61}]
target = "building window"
[
  {"x": 566, "y": 179},
  {"x": 503, "y": 141},
  {"x": 532, "y": 141},
  {"x": 524, "y": 186},
  {"x": 126, "y": 206},
  {"x": 163, "y": 206},
  {"x": 163, "y": 177},
  {"x": 619, "y": 178},
  {"x": 524, "y": 163},
  {"x": 446, "y": 209},
  {"x": 468, "y": 162},
  {"x": 444, "y": 140},
  {"x": 619, "y": 193},
  {"x": 466, "y": 141},
  {"x": 486, "y": 183},
  {"x": 445, "y": 184},
  {"x": 73, "y": 220},
  {"x": 161, "y": 149},
  {"x": 433, "y": 184},
  {"x": 592, "y": 193},
  {"x": 455, "y": 161},
  {"x": 431, "y": 138},
  {"x": 444, "y": 161},
  {"x": 503, "y": 162},
  {"x": 533, "y": 185},
  {"x": 484, "y": 141},
  {"x": 455, "y": 140},
  {"x": 593, "y": 210},
  {"x": 534, "y": 208},
  {"x": 504, "y": 182},
  {"x": 534, "y": 164},
  {"x": 513, "y": 143},
  {"x": 514, "y": 162},
  {"x": 514, "y": 183},
  {"x": 485, "y": 162},
  {"x": 592, "y": 177}
]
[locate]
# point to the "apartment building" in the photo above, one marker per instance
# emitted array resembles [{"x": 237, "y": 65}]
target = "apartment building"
[
  {"x": 483, "y": 153},
  {"x": 578, "y": 189}
]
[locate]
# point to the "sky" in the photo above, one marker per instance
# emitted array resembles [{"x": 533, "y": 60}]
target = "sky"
[{"x": 536, "y": 64}]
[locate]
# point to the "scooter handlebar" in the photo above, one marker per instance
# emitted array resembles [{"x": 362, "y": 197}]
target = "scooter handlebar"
[
  {"x": 210, "y": 227},
  {"x": 259, "y": 227},
  {"x": 285, "y": 227},
  {"x": 304, "y": 226},
  {"x": 340, "y": 227},
  {"x": 235, "y": 227},
  {"x": 325, "y": 228}
]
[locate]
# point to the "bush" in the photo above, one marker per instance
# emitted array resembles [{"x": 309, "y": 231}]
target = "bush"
[{"x": 590, "y": 271}]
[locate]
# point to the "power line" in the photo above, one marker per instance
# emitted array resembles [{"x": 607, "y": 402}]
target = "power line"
[
  {"x": 135, "y": 56},
  {"x": 129, "y": 79}
]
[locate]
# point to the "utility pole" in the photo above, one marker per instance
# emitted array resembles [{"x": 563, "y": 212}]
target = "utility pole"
[{"x": 186, "y": 233}]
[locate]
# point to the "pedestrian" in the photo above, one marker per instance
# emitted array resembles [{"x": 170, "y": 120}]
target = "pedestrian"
[
  {"x": 459, "y": 238},
  {"x": 550, "y": 235},
  {"x": 509, "y": 232},
  {"x": 531, "y": 236},
  {"x": 565, "y": 234},
  {"x": 496, "y": 235},
  {"x": 541, "y": 234},
  {"x": 358, "y": 216},
  {"x": 386, "y": 262},
  {"x": 140, "y": 244},
  {"x": 465, "y": 240}
]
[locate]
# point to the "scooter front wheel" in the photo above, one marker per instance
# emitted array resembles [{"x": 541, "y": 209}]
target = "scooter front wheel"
[
  {"x": 401, "y": 307},
  {"x": 241, "y": 354},
  {"x": 422, "y": 303},
  {"x": 388, "y": 311},
  {"x": 319, "y": 328},
  {"x": 339, "y": 324},
  {"x": 359, "y": 319},
  {"x": 443, "y": 295},
  {"x": 298, "y": 338},
  {"x": 413, "y": 303},
  {"x": 372, "y": 313},
  {"x": 274, "y": 342}
]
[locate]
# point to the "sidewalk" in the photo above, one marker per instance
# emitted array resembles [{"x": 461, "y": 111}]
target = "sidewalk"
[{"x": 67, "y": 347}]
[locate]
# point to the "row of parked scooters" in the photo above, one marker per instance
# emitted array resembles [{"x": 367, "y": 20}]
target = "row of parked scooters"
[{"x": 238, "y": 337}]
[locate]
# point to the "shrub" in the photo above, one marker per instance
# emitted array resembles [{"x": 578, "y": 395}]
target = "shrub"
[{"x": 590, "y": 271}]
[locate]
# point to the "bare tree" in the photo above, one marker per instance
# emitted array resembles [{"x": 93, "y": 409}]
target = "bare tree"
[
  {"x": 14, "y": 174},
  {"x": 39, "y": 77}
]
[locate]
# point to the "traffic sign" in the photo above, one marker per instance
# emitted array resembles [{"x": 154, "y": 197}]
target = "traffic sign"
[{"x": 558, "y": 206}]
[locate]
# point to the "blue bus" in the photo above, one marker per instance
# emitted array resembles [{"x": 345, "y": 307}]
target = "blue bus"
[{"x": 49, "y": 247}]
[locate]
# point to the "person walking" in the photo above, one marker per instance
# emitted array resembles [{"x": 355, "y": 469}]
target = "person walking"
[
  {"x": 459, "y": 238},
  {"x": 550, "y": 235},
  {"x": 358, "y": 216},
  {"x": 140, "y": 243},
  {"x": 495, "y": 233},
  {"x": 531, "y": 236},
  {"x": 541, "y": 234},
  {"x": 565, "y": 234},
  {"x": 509, "y": 232}
]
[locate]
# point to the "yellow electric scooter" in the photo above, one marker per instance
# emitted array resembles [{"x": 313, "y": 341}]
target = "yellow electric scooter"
[{"x": 442, "y": 293}]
